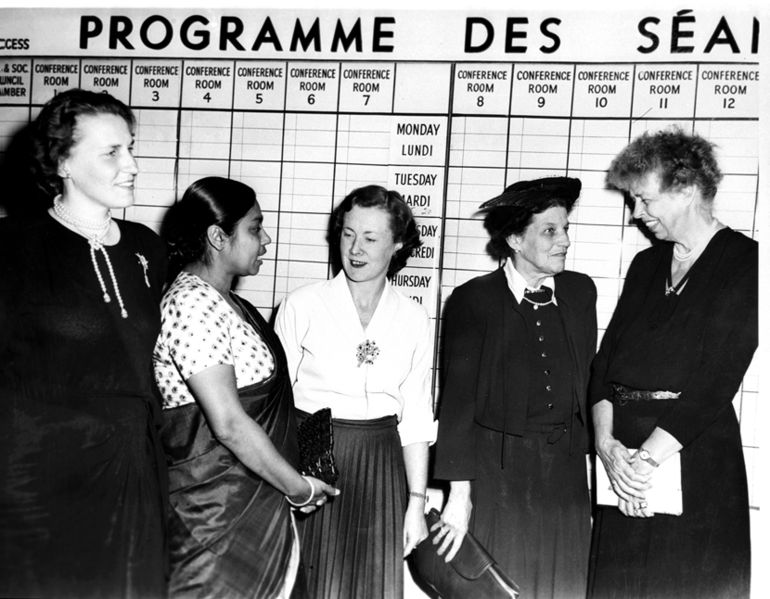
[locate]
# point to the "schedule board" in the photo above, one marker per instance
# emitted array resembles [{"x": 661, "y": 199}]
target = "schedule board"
[{"x": 446, "y": 107}]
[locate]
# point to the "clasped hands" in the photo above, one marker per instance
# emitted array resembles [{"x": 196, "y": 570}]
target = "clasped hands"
[{"x": 629, "y": 476}]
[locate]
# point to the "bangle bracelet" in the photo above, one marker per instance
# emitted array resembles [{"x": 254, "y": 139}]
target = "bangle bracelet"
[
  {"x": 423, "y": 496},
  {"x": 310, "y": 497}
]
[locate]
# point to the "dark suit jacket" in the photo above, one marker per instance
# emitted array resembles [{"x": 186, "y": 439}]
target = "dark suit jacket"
[{"x": 485, "y": 364}]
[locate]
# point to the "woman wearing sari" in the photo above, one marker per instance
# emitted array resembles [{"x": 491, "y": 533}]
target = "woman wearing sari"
[{"x": 229, "y": 432}]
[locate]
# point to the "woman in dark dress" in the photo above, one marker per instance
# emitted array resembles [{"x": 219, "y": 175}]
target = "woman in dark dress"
[
  {"x": 82, "y": 471},
  {"x": 679, "y": 343},
  {"x": 229, "y": 431},
  {"x": 518, "y": 343}
]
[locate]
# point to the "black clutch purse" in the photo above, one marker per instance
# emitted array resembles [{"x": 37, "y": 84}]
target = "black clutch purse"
[
  {"x": 316, "y": 442},
  {"x": 472, "y": 572}
]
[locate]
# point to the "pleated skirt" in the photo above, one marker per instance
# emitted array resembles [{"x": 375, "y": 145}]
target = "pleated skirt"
[{"x": 353, "y": 547}]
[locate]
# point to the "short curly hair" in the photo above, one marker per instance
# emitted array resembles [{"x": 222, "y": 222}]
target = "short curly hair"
[
  {"x": 54, "y": 131},
  {"x": 679, "y": 158},
  {"x": 402, "y": 223}
]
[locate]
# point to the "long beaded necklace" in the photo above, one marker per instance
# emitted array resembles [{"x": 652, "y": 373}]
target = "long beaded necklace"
[{"x": 95, "y": 232}]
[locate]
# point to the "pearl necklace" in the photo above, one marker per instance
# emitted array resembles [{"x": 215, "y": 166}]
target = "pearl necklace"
[
  {"x": 95, "y": 232},
  {"x": 684, "y": 256},
  {"x": 90, "y": 228},
  {"x": 681, "y": 256},
  {"x": 536, "y": 304}
]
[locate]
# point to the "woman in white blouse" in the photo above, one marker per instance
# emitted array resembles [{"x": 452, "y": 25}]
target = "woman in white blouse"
[
  {"x": 229, "y": 431},
  {"x": 358, "y": 346}
]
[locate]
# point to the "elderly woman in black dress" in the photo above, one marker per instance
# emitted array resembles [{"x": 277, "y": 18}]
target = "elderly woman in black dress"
[
  {"x": 81, "y": 512},
  {"x": 229, "y": 432},
  {"x": 512, "y": 440},
  {"x": 679, "y": 343}
]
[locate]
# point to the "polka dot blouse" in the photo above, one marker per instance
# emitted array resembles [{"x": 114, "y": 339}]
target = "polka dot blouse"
[{"x": 199, "y": 329}]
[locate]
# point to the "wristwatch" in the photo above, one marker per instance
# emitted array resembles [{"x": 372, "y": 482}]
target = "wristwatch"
[{"x": 645, "y": 455}]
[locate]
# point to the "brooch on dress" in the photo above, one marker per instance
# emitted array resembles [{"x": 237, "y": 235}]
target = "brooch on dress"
[
  {"x": 145, "y": 264},
  {"x": 366, "y": 352}
]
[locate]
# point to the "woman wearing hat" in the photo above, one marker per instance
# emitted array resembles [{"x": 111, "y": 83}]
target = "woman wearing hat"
[{"x": 512, "y": 437}]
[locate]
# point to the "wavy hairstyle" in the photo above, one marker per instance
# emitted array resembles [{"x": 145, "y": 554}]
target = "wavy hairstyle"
[
  {"x": 402, "y": 223},
  {"x": 55, "y": 132},
  {"x": 208, "y": 201},
  {"x": 679, "y": 159}
]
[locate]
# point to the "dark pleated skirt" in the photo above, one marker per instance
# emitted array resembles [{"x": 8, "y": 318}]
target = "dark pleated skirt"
[
  {"x": 533, "y": 513},
  {"x": 353, "y": 546}
]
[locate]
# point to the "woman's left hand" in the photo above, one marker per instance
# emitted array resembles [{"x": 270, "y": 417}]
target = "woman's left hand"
[
  {"x": 635, "y": 509},
  {"x": 321, "y": 494},
  {"x": 627, "y": 482},
  {"x": 415, "y": 528}
]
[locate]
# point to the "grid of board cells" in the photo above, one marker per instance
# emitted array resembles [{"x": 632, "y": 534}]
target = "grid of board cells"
[{"x": 446, "y": 135}]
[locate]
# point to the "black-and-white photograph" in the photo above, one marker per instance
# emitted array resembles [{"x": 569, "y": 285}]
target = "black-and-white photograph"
[{"x": 380, "y": 302}]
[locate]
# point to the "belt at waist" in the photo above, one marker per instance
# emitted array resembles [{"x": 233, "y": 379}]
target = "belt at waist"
[
  {"x": 622, "y": 394},
  {"x": 552, "y": 432}
]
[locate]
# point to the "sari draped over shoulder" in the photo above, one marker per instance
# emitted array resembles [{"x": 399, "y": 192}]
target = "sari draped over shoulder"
[{"x": 230, "y": 531}]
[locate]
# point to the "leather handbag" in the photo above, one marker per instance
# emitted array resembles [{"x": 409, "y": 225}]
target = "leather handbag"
[
  {"x": 471, "y": 573},
  {"x": 316, "y": 443}
]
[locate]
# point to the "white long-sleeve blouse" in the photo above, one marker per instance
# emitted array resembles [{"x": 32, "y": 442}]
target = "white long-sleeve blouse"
[{"x": 359, "y": 373}]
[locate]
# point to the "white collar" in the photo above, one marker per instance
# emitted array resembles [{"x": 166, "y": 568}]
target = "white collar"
[
  {"x": 517, "y": 284},
  {"x": 384, "y": 312}
]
